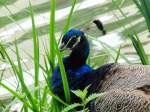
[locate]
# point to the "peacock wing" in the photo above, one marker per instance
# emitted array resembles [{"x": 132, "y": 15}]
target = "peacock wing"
[
  {"x": 127, "y": 88},
  {"x": 123, "y": 101},
  {"x": 119, "y": 76}
]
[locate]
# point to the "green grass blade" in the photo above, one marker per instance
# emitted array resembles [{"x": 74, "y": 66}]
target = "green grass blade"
[
  {"x": 111, "y": 48},
  {"x": 52, "y": 34},
  {"x": 57, "y": 98},
  {"x": 20, "y": 77},
  {"x": 146, "y": 4},
  {"x": 69, "y": 17},
  {"x": 71, "y": 107},
  {"x": 20, "y": 70},
  {"x": 19, "y": 63},
  {"x": 62, "y": 69},
  {"x": 143, "y": 6},
  {"x": 36, "y": 53},
  {"x": 8, "y": 106},
  {"x": 11, "y": 18},
  {"x": 139, "y": 49},
  {"x": 68, "y": 20},
  {"x": 63, "y": 75},
  {"x": 43, "y": 99},
  {"x": 138, "y": 5},
  {"x": 118, "y": 54},
  {"x": 21, "y": 98}
]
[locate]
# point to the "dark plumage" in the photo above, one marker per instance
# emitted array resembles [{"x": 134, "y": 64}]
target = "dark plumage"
[
  {"x": 78, "y": 72},
  {"x": 127, "y": 89},
  {"x": 100, "y": 26}
]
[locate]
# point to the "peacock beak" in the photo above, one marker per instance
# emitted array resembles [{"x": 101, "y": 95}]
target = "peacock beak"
[{"x": 62, "y": 47}]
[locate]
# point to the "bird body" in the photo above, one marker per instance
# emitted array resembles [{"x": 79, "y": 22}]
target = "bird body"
[
  {"x": 78, "y": 72},
  {"x": 126, "y": 87},
  {"x": 78, "y": 78},
  {"x": 122, "y": 101},
  {"x": 122, "y": 76}
]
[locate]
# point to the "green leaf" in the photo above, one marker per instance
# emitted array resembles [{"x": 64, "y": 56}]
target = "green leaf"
[
  {"x": 85, "y": 92},
  {"x": 81, "y": 94},
  {"x": 93, "y": 96},
  {"x": 78, "y": 93},
  {"x": 71, "y": 107}
]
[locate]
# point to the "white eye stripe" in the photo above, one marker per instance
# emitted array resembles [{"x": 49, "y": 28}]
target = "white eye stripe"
[
  {"x": 77, "y": 42},
  {"x": 68, "y": 42}
]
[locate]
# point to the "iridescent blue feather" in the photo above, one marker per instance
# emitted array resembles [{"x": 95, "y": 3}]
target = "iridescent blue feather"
[{"x": 78, "y": 72}]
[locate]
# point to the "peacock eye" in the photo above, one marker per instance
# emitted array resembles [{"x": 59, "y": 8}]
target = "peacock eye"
[{"x": 72, "y": 41}]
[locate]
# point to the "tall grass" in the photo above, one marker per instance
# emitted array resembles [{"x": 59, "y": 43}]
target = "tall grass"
[
  {"x": 69, "y": 17},
  {"x": 38, "y": 99},
  {"x": 118, "y": 54},
  {"x": 54, "y": 48},
  {"x": 52, "y": 34},
  {"x": 19, "y": 72},
  {"x": 144, "y": 7},
  {"x": 36, "y": 53},
  {"x": 139, "y": 49},
  {"x": 67, "y": 25}
]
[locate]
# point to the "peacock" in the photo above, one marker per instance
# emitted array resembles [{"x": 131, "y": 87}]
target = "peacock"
[
  {"x": 78, "y": 72},
  {"x": 126, "y": 87}
]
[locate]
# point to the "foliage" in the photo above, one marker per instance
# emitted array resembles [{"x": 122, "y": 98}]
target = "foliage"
[
  {"x": 40, "y": 99},
  {"x": 139, "y": 49},
  {"x": 143, "y": 6},
  {"x": 83, "y": 95}
]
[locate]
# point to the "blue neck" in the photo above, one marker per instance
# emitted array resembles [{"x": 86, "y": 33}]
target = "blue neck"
[{"x": 78, "y": 72}]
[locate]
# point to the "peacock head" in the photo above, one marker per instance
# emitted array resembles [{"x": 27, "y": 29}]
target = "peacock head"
[{"x": 72, "y": 40}]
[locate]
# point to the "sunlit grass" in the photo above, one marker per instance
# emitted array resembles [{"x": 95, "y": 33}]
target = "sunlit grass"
[
  {"x": 139, "y": 49},
  {"x": 144, "y": 8},
  {"x": 36, "y": 100}
]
